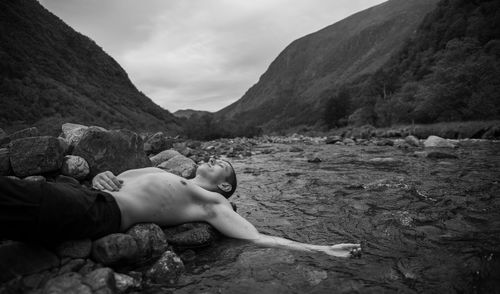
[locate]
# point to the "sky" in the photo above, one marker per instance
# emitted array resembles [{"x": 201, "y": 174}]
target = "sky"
[{"x": 198, "y": 54}]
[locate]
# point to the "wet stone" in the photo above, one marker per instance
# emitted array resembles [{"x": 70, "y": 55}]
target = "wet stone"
[
  {"x": 126, "y": 283},
  {"x": 73, "y": 265},
  {"x": 115, "y": 248},
  {"x": 66, "y": 283},
  {"x": 166, "y": 270},
  {"x": 150, "y": 239},
  {"x": 180, "y": 165},
  {"x": 35, "y": 179},
  {"x": 101, "y": 280},
  {"x": 191, "y": 235}
]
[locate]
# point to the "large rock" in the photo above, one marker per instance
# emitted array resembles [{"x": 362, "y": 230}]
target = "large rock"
[
  {"x": 75, "y": 166},
  {"x": 113, "y": 150},
  {"x": 435, "y": 141},
  {"x": 157, "y": 143},
  {"x": 181, "y": 166},
  {"x": 163, "y": 156},
  {"x": 4, "y": 162},
  {"x": 35, "y": 155},
  {"x": 72, "y": 133},
  {"x": 74, "y": 248},
  {"x": 191, "y": 235},
  {"x": 20, "y": 259},
  {"x": 150, "y": 239},
  {"x": 101, "y": 280},
  {"x": 166, "y": 270},
  {"x": 115, "y": 248},
  {"x": 66, "y": 283},
  {"x": 126, "y": 283},
  {"x": 412, "y": 141}
]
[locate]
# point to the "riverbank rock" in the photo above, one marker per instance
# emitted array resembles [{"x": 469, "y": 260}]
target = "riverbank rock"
[
  {"x": 70, "y": 282},
  {"x": 150, "y": 239},
  {"x": 156, "y": 143},
  {"x": 166, "y": 270},
  {"x": 180, "y": 165},
  {"x": 125, "y": 283},
  {"x": 191, "y": 235},
  {"x": 101, "y": 280},
  {"x": 435, "y": 141},
  {"x": 35, "y": 155},
  {"x": 72, "y": 133},
  {"x": 35, "y": 179},
  {"x": 75, "y": 166},
  {"x": 412, "y": 141},
  {"x": 113, "y": 150},
  {"x": 114, "y": 249},
  {"x": 19, "y": 258},
  {"x": 333, "y": 139},
  {"x": 163, "y": 156}
]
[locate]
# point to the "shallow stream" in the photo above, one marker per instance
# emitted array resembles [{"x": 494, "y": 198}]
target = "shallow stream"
[{"x": 426, "y": 225}]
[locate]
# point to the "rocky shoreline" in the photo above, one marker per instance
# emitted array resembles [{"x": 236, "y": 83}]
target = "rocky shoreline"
[{"x": 146, "y": 254}]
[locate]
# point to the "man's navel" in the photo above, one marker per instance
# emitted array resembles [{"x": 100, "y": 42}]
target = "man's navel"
[{"x": 183, "y": 182}]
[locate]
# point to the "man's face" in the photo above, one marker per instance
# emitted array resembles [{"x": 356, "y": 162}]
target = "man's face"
[{"x": 215, "y": 170}]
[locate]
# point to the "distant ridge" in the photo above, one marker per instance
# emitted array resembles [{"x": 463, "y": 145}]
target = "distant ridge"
[
  {"x": 187, "y": 113},
  {"x": 51, "y": 74},
  {"x": 296, "y": 85}
]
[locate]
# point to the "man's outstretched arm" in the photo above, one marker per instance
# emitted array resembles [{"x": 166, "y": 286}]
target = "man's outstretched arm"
[{"x": 231, "y": 224}]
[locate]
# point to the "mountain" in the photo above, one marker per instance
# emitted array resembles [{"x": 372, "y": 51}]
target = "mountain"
[
  {"x": 448, "y": 71},
  {"x": 187, "y": 113},
  {"x": 51, "y": 74},
  {"x": 297, "y": 84}
]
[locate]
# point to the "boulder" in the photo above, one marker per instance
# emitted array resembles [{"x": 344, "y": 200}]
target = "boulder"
[
  {"x": 412, "y": 141},
  {"x": 180, "y": 165},
  {"x": 19, "y": 258},
  {"x": 114, "y": 150},
  {"x": 384, "y": 142},
  {"x": 72, "y": 133},
  {"x": 333, "y": 139},
  {"x": 72, "y": 265},
  {"x": 166, "y": 270},
  {"x": 35, "y": 155},
  {"x": 4, "y": 162},
  {"x": 163, "y": 156},
  {"x": 157, "y": 143},
  {"x": 66, "y": 283},
  {"x": 191, "y": 235},
  {"x": 348, "y": 142},
  {"x": 75, "y": 166},
  {"x": 101, "y": 280},
  {"x": 125, "y": 283},
  {"x": 435, "y": 141},
  {"x": 150, "y": 239},
  {"x": 115, "y": 248},
  {"x": 74, "y": 248}
]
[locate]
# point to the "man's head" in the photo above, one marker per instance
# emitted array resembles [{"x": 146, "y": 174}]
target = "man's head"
[{"x": 219, "y": 175}]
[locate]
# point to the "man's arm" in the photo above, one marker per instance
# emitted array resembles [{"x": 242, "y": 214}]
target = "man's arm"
[{"x": 231, "y": 224}]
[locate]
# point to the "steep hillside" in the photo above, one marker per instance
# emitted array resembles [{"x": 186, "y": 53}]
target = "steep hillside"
[
  {"x": 294, "y": 88},
  {"x": 51, "y": 74},
  {"x": 449, "y": 71}
]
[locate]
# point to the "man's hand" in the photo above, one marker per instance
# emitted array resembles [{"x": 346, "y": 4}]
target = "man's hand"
[{"x": 106, "y": 181}]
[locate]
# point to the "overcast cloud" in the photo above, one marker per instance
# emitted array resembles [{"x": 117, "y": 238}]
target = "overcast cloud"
[{"x": 199, "y": 54}]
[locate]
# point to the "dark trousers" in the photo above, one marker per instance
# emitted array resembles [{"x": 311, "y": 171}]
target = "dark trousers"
[{"x": 48, "y": 212}]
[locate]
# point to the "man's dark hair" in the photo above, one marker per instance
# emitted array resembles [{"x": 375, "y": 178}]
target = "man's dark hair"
[{"x": 231, "y": 179}]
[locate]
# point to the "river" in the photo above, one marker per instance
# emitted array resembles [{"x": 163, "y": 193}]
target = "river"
[{"x": 426, "y": 225}]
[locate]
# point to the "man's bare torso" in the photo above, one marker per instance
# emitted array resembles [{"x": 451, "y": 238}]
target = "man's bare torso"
[{"x": 153, "y": 195}]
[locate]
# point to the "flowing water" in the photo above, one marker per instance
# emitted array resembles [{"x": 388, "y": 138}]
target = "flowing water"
[{"x": 426, "y": 225}]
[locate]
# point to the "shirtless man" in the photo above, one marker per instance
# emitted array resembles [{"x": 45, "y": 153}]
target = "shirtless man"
[{"x": 134, "y": 196}]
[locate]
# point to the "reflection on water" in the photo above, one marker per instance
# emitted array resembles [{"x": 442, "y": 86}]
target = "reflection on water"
[{"x": 426, "y": 225}]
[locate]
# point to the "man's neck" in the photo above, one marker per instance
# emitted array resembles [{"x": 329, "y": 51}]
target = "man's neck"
[{"x": 201, "y": 183}]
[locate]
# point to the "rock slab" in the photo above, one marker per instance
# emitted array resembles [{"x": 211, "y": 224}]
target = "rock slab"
[{"x": 35, "y": 155}]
